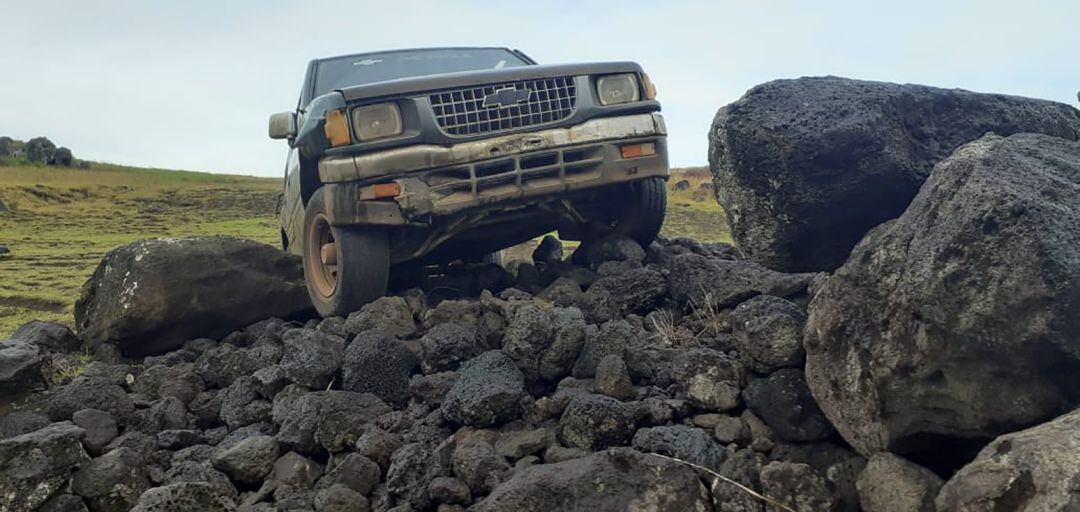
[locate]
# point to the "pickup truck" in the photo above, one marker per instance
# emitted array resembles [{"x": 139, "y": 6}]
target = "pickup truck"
[{"x": 429, "y": 156}]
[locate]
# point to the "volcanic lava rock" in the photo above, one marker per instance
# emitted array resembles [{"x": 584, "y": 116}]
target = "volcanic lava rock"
[
  {"x": 100, "y": 429},
  {"x": 784, "y": 402},
  {"x": 610, "y": 481},
  {"x": 595, "y": 422},
  {"x": 968, "y": 297},
  {"x": 544, "y": 342},
  {"x": 705, "y": 282},
  {"x": 20, "y": 366},
  {"x": 327, "y": 420},
  {"x": 487, "y": 392},
  {"x": 391, "y": 315},
  {"x": 355, "y": 471},
  {"x": 892, "y": 484},
  {"x": 86, "y": 392},
  {"x": 36, "y": 465},
  {"x": 711, "y": 380},
  {"x": 311, "y": 358},
  {"x": 48, "y": 335},
  {"x": 805, "y": 167},
  {"x": 769, "y": 333},
  {"x": 796, "y": 485},
  {"x": 112, "y": 482},
  {"x": 248, "y": 461},
  {"x": 1034, "y": 469},
  {"x": 447, "y": 345},
  {"x": 376, "y": 362},
  {"x": 183, "y": 496},
  {"x": 682, "y": 442},
  {"x": 135, "y": 301}
]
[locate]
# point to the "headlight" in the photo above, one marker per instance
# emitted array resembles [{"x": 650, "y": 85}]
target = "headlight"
[
  {"x": 616, "y": 89},
  {"x": 376, "y": 121}
]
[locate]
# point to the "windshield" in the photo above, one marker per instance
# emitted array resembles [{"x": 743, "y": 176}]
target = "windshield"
[{"x": 347, "y": 71}]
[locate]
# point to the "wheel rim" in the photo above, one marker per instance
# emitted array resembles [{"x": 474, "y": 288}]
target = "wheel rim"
[{"x": 321, "y": 260}]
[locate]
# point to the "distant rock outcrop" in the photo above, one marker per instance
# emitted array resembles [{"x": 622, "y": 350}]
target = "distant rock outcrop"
[
  {"x": 804, "y": 168},
  {"x": 153, "y": 295}
]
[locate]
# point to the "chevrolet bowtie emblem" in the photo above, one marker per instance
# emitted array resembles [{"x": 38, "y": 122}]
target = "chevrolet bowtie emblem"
[{"x": 506, "y": 97}]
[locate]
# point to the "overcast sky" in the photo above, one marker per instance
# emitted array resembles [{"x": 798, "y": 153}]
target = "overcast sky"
[{"x": 189, "y": 85}]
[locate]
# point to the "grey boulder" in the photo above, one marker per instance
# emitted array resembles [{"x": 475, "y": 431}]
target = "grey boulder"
[
  {"x": 1031, "y": 470},
  {"x": 805, "y": 167},
  {"x": 968, "y": 297},
  {"x": 135, "y": 302},
  {"x": 36, "y": 465}
]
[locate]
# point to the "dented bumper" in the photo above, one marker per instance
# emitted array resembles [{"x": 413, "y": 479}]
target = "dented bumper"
[{"x": 438, "y": 180}]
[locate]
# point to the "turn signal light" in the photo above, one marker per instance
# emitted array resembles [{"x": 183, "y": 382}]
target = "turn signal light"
[
  {"x": 638, "y": 150},
  {"x": 380, "y": 191},
  {"x": 336, "y": 129}
]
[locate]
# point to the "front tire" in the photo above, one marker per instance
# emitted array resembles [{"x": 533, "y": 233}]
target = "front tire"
[
  {"x": 345, "y": 267},
  {"x": 646, "y": 207}
]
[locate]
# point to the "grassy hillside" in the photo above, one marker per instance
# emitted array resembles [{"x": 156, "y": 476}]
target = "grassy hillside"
[{"x": 62, "y": 221}]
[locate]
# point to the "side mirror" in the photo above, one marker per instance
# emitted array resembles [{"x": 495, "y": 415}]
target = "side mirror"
[{"x": 283, "y": 125}]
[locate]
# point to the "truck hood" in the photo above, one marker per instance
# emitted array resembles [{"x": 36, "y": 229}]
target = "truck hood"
[{"x": 406, "y": 86}]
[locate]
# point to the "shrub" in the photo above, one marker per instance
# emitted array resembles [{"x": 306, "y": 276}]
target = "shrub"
[
  {"x": 62, "y": 156},
  {"x": 7, "y": 147}
]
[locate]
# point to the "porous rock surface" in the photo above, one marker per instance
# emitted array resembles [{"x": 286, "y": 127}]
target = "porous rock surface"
[
  {"x": 970, "y": 296},
  {"x": 152, "y": 295},
  {"x": 805, "y": 167},
  {"x": 422, "y": 401}
]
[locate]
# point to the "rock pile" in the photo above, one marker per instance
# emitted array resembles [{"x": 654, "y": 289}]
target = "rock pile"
[{"x": 549, "y": 394}]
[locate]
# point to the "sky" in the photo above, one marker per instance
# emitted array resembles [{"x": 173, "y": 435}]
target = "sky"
[{"x": 191, "y": 84}]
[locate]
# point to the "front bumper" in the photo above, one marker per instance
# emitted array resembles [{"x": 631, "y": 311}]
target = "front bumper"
[{"x": 514, "y": 169}]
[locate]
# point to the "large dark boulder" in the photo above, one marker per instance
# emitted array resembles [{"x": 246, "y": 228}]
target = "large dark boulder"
[
  {"x": 961, "y": 319},
  {"x": 1034, "y": 469},
  {"x": 805, "y": 167},
  {"x": 151, "y": 296},
  {"x": 610, "y": 481}
]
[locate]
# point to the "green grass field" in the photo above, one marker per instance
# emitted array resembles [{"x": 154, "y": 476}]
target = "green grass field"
[{"x": 62, "y": 221}]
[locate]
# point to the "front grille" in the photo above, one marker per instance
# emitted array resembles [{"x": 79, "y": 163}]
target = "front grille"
[{"x": 463, "y": 111}]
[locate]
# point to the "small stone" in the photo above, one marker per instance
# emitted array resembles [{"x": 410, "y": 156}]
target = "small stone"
[
  {"x": 112, "y": 482},
  {"x": 100, "y": 429},
  {"x": 296, "y": 471},
  {"x": 892, "y": 484},
  {"x": 730, "y": 429},
  {"x": 449, "y": 490},
  {"x": 612, "y": 379},
  {"x": 488, "y": 391},
  {"x": 519, "y": 443},
  {"x": 796, "y": 485},
  {"x": 339, "y": 498},
  {"x": 595, "y": 421},
  {"x": 355, "y": 471},
  {"x": 249, "y": 460}
]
